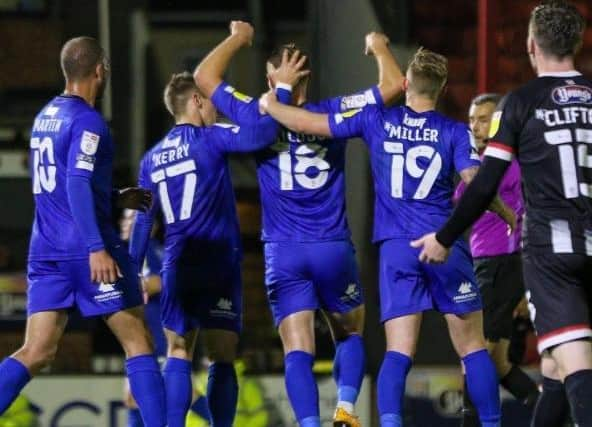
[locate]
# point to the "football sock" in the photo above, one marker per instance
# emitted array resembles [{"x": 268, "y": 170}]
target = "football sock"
[
  {"x": 469, "y": 412},
  {"x": 134, "y": 418},
  {"x": 302, "y": 389},
  {"x": 200, "y": 407},
  {"x": 391, "y": 388},
  {"x": 483, "y": 387},
  {"x": 579, "y": 393},
  {"x": 147, "y": 387},
  {"x": 222, "y": 394},
  {"x": 14, "y": 376},
  {"x": 521, "y": 386},
  {"x": 552, "y": 408},
  {"x": 348, "y": 370},
  {"x": 177, "y": 382}
]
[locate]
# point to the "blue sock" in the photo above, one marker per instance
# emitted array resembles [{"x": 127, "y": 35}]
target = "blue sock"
[
  {"x": 200, "y": 407},
  {"x": 302, "y": 388},
  {"x": 134, "y": 418},
  {"x": 348, "y": 368},
  {"x": 14, "y": 376},
  {"x": 177, "y": 383},
  {"x": 483, "y": 386},
  {"x": 222, "y": 394},
  {"x": 391, "y": 387},
  {"x": 147, "y": 387}
]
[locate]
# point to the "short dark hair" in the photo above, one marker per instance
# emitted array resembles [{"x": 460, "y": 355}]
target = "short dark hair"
[
  {"x": 177, "y": 92},
  {"x": 557, "y": 28},
  {"x": 429, "y": 72},
  {"x": 80, "y": 57},
  {"x": 484, "y": 98},
  {"x": 275, "y": 57}
]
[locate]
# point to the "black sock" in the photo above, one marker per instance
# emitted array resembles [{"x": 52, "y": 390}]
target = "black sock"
[
  {"x": 470, "y": 417},
  {"x": 521, "y": 386},
  {"x": 578, "y": 387},
  {"x": 552, "y": 407}
]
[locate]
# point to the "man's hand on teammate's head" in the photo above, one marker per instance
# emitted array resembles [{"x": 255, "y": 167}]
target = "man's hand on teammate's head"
[
  {"x": 375, "y": 40},
  {"x": 103, "y": 268},
  {"x": 432, "y": 252},
  {"x": 134, "y": 198},
  {"x": 290, "y": 70},
  {"x": 243, "y": 30}
]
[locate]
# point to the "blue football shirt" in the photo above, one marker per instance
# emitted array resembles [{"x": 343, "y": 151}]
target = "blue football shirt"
[
  {"x": 69, "y": 138},
  {"x": 189, "y": 176},
  {"x": 414, "y": 158},
  {"x": 301, "y": 177}
]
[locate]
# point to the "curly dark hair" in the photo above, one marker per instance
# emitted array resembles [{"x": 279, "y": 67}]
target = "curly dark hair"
[{"x": 557, "y": 27}]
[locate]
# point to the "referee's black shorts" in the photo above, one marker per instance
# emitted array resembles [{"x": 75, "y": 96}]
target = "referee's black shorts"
[
  {"x": 502, "y": 288},
  {"x": 559, "y": 291}
]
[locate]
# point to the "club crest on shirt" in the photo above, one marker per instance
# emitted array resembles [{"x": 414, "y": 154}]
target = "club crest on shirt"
[
  {"x": 89, "y": 143},
  {"x": 495, "y": 123},
  {"x": 572, "y": 94}
]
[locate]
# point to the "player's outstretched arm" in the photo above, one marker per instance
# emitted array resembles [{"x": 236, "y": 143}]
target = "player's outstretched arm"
[
  {"x": 498, "y": 206},
  {"x": 294, "y": 118},
  {"x": 209, "y": 73},
  {"x": 390, "y": 76}
]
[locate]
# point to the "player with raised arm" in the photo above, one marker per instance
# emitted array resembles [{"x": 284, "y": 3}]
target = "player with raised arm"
[
  {"x": 310, "y": 260},
  {"x": 415, "y": 152},
  {"x": 547, "y": 125},
  {"x": 498, "y": 268},
  {"x": 76, "y": 258},
  {"x": 189, "y": 176}
]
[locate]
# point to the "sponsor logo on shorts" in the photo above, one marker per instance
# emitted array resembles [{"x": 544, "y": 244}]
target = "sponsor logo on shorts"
[
  {"x": 351, "y": 293},
  {"x": 465, "y": 292},
  {"x": 223, "y": 309},
  {"x": 108, "y": 292}
]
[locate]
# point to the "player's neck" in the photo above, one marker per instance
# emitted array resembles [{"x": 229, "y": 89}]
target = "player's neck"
[
  {"x": 189, "y": 119},
  {"x": 546, "y": 65},
  {"x": 420, "y": 104},
  {"x": 82, "y": 89}
]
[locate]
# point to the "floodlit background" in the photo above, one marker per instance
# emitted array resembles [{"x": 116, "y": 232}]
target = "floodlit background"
[{"x": 148, "y": 40}]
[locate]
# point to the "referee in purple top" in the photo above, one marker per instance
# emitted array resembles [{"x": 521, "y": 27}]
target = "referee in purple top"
[{"x": 498, "y": 268}]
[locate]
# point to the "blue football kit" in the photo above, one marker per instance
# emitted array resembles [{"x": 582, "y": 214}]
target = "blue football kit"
[
  {"x": 71, "y": 161},
  {"x": 189, "y": 177},
  {"x": 414, "y": 157},
  {"x": 309, "y": 258}
]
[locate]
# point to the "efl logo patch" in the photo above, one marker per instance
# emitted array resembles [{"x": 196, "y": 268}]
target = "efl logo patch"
[
  {"x": 495, "y": 123},
  {"x": 353, "y": 101},
  {"x": 89, "y": 143},
  {"x": 242, "y": 97},
  {"x": 572, "y": 94}
]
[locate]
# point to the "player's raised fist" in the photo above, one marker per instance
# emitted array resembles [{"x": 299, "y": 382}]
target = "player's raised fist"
[
  {"x": 243, "y": 30},
  {"x": 375, "y": 40}
]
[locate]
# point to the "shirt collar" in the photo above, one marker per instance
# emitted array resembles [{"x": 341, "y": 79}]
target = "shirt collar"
[{"x": 571, "y": 73}]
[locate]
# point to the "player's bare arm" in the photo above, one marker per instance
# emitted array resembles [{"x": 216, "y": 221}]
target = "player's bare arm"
[
  {"x": 497, "y": 206},
  {"x": 390, "y": 77},
  {"x": 208, "y": 74},
  {"x": 294, "y": 118}
]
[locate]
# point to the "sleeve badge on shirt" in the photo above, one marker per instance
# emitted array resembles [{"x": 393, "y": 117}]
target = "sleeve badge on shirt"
[
  {"x": 89, "y": 143},
  {"x": 242, "y": 97},
  {"x": 353, "y": 101},
  {"x": 495, "y": 123}
]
